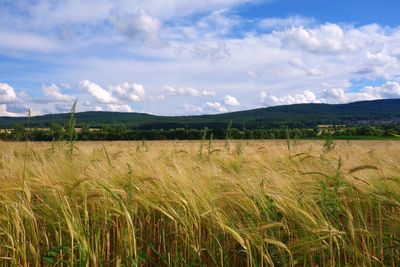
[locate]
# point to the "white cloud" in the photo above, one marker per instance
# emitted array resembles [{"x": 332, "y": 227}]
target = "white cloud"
[
  {"x": 139, "y": 27},
  {"x": 26, "y": 41},
  {"x": 183, "y": 8},
  {"x": 186, "y": 91},
  {"x": 98, "y": 92},
  {"x": 215, "y": 106},
  {"x": 325, "y": 38},
  {"x": 231, "y": 101},
  {"x": 282, "y": 23},
  {"x": 6, "y": 113},
  {"x": 251, "y": 73},
  {"x": 298, "y": 64},
  {"x": 287, "y": 69},
  {"x": 271, "y": 100},
  {"x": 89, "y": 106},
  {"x": 118, "y": 108},
  {"x": 54, "y": 94},
  {"x": 117, "y": 97},
  {"x": 203, "y": 32},
  {"x": 192, "y": 109},
  {"x": 211, "y": 52},
  {"x": 134, "y": 92},
  {"x": 199, "y": 44},
  {"x": 315, "y": 72},
  {"x": 334, "y": 95},
  {"x": 388, "y": 90},
  {"x": 45, "y": 14},
  {"x": 157, "y": 97},
  {"x": 379, "y": 63},
  {"x": 7, "y": 93}
]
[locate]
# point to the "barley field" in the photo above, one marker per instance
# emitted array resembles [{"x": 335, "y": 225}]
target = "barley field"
[{"x": 200, "y": 203}]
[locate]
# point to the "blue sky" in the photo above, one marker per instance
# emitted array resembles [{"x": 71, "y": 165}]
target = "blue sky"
[
  {"x": 195, "y": 57},
  {"x": 356, "y": 12}
]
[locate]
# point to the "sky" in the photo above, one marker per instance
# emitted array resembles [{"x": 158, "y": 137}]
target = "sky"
[{"x": 182, "y": 57}]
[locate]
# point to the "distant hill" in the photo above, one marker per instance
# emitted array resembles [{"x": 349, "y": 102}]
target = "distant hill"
[{"x": 385, "y": 111}]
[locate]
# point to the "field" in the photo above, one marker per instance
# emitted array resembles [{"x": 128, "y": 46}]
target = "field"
[{"x": 200, "y": 203}]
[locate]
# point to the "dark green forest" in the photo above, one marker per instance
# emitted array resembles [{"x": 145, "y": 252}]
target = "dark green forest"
[
  {"x": 56, "y": 132},
  {"x": 366, "y": 119},
  {"x": 293, "y": 116}
]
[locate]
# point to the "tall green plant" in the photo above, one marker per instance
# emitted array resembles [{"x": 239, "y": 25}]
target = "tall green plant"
[
  {"x": 329, "y": 145},
  {"x": 228, "y": 135},
  {"x": 203, "y": 138},
  {"x": 71, "y": 133},
  {"x": 288, "y": 141},
  {"x": 26, "y": 147}
]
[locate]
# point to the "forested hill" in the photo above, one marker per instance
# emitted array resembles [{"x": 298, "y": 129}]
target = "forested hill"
[{"x": 385, "y": 111}]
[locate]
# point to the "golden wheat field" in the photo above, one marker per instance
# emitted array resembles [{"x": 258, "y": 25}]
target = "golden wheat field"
[{"x": 200, "y": 203}]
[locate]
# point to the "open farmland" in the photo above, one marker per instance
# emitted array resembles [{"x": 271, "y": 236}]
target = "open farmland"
[{"x": 235, "y": 203}]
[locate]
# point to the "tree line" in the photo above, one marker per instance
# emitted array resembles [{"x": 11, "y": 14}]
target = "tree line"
[{"x": 58, "y": 132}]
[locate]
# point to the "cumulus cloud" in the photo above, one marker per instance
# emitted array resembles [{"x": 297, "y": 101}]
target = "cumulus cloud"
[
  {"x": 118, "y": 108},
  {"x": 20, "y": 108},
  {"x": 388, "y": 90},
  {"x": 218, "y": 23},
  {"x": 157, "y": 97},
  {"x": 213, "y": 52},
  {"x": 299, "y": 64},
  {"x": 102, "y": 95},
  {"x": 207, "y": 108},
  {"x": 271, "y": 100},
  {"x": 337, "y": 95},
  {"x": 292, "y": 52},
  {"x": 325, "y": 38},
  {"x": 186, "y": 91},
  {"x": 379, "y": 63},
  {"x": 334, "y": 95},
  {"x": 10, "y": 104},
  {"x": 134, "y": 92},
  {"x": 7, "y": 93},
  {"x": 54, "y": 94},
  {"x": 6, "y": 113},
  {"x": 296, "y": 62},
  {"x": 115, "y": 98},
  {"x": 315, "y": 72},
  {"x": 283, "y": 23},
  {"x": 89, "y": 106},
  {"x": 140, "y": 27},
  {"x": 231, "y": 101},
  {"x": 215, "y": 106},
  {"x": 192, "y": 109}
]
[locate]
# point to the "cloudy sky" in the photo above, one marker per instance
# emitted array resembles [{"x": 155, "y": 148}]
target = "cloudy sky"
[{"x": 180, "y": 57}]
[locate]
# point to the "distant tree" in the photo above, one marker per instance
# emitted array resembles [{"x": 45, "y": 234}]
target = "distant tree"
[
  {"x": 350, "y": 132},
  {"x": 218, "y": 133},
  {"x": 56, "y": 131},
  {"x": 19, "y": 132},
  {"x": 248, "y": 134},
  {"x": 40, "y": 135},
  {"x": 297, "y": 133},
  {"x": 272, "y": 135},
  {"x": 85, "y": 133},
  {"x": 194, "y": 134},
  {"x": 365, "y": 130}
]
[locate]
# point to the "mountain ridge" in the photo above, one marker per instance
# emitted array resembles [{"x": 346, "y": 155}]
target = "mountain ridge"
[{"x": 383, "y": 111}]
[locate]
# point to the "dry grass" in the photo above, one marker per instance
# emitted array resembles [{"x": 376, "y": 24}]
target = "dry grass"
[{"x": 247, "y": 203}]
